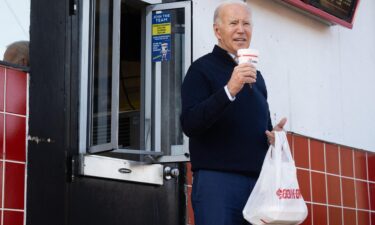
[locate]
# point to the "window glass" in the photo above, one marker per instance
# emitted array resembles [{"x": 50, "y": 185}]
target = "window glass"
[
  {"x": 102, "y": 73},
  {"x": 171, "y": 74},
  {"x": 125, "y": 83}
]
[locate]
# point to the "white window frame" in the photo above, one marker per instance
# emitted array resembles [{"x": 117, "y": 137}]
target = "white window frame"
[{"x": 147, "y": 118}]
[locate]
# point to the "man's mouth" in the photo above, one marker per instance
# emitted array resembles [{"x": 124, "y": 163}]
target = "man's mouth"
[{"x": 240, "y": 39}]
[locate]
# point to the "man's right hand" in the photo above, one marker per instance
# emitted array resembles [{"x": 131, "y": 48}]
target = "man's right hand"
[{"x": 242, "y": 74}]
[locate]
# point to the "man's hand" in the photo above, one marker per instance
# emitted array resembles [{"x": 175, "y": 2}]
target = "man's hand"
[
  {"x": 278, "y": 127},
  {"x": 242, "y": 74}
]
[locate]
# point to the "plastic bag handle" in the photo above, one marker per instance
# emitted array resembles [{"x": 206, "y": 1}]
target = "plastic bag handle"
[
  {"x": 285, "y": 146},
  {"x": 274, "y": 154},
  {"x": 281, "y": 146},
  {"x": 277, "y": 147}
]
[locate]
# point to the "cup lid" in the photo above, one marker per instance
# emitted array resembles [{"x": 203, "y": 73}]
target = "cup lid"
[{"x": 248, "y": 51}]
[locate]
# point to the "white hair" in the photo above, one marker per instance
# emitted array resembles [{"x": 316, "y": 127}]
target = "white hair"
[{"x": 229, "y": 2}]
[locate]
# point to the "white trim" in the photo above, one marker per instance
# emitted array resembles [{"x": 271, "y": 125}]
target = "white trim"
[
  {"x": 148, "y": 82},
  {"x": 116, "y": 30},
  {"x": 157, "y": 107},
  {"x": 13, "y": 161},
  {"x": 151, "y": 1},
  {"x": 84, "y": 65},
  {"x": 14, "y": 114},
  {"x": 13, "y": 210}
]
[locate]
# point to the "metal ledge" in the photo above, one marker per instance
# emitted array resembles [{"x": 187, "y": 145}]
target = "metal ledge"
[
  {"x": 119, "y": 169},
  {"x": 15, "y": 66}
]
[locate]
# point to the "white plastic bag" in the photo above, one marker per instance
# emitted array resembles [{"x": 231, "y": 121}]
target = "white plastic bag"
[{"x": 276, "y": 197}]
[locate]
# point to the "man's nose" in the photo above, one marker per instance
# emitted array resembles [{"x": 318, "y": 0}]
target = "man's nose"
[{"x": 240, "y": 28}]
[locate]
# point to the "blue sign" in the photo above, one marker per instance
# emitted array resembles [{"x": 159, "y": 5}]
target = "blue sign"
[{"x": 161, "y": 36}]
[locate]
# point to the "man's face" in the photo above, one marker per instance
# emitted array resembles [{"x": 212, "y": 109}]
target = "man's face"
[{"x": 234, "y": 28}]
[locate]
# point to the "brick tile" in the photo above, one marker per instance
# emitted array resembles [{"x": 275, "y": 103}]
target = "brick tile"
[
  {"x": 1, "y": 135},
  {"x": 320, "y": 214},
  {"x": 372, "y": 197},
  {"x": 334, "y": 190},
  {"x": 371, "y": 166},
  {"x": 346, "y": 155},
  {"x": 1, "y": 180},
  {"x": 332, "y": 159},
  {"x": 363, "y": 218},
  {"x": 335, "y": 216},
  {"x": 349, "y": 217},
  {"x": 16, "y": 87},
  {"x": 317, "y": 155},
  {"x": 360, "y": 165},
  {"x": 15, "y": 145},
  {"x": 301, "y": 151},
  {"x": 2, "y": 79},
  {"x": 373, "y": 218},
  {"x": 362, "y": 195},
  {"x": 14, "y": 186},
  {"x": 13, "y": 218},
  {"x": 303, "y": 177},
  {"x": 348, "y": 192},
  {"x": 318, "y": 187}
]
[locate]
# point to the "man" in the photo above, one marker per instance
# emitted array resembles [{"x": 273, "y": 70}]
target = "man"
[
  {"x": 227, "y": 121},
  {"x": 17, "y": 53}
]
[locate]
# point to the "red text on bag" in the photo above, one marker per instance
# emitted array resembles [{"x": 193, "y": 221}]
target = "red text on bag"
[{"x": 288, "y": 193}]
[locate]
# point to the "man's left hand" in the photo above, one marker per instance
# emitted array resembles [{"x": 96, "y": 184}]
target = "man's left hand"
[{"x": 278, "y": 127}]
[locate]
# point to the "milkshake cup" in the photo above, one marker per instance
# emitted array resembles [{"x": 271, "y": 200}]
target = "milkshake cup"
[{"x": 246, "y": 55}]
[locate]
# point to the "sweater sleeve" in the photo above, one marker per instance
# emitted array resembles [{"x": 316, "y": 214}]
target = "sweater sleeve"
[
  {"x": 270, "y": 127},
  {"x": 201, "y": 107}
]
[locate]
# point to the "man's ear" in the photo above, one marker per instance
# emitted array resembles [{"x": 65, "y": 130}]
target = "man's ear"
[{"x": 217, "y": 31}]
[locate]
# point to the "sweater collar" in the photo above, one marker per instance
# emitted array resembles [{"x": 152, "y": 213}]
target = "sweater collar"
[{"x": 224, "y": 55}]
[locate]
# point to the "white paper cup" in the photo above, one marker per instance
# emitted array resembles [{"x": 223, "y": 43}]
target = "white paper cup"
[{"x": 248, "y": 55}]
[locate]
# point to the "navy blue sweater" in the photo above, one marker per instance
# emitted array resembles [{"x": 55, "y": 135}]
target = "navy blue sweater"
[{"x": 224, "y": 135}]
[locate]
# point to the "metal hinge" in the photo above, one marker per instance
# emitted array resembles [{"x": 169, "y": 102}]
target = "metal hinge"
[
  {"x": 73, "y": 7},
  {"x": 72, "y": 168}
]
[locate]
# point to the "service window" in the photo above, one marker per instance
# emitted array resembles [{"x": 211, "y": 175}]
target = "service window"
[{"x": 134, "y": 58}]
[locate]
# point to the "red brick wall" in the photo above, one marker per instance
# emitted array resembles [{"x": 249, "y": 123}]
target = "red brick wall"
[
  {"x": 13, "y": 125},
  {"x": 337, "y": 182}
]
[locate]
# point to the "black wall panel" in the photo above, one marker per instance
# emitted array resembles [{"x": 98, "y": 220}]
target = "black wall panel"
[{"x": 53, "y": 198}]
